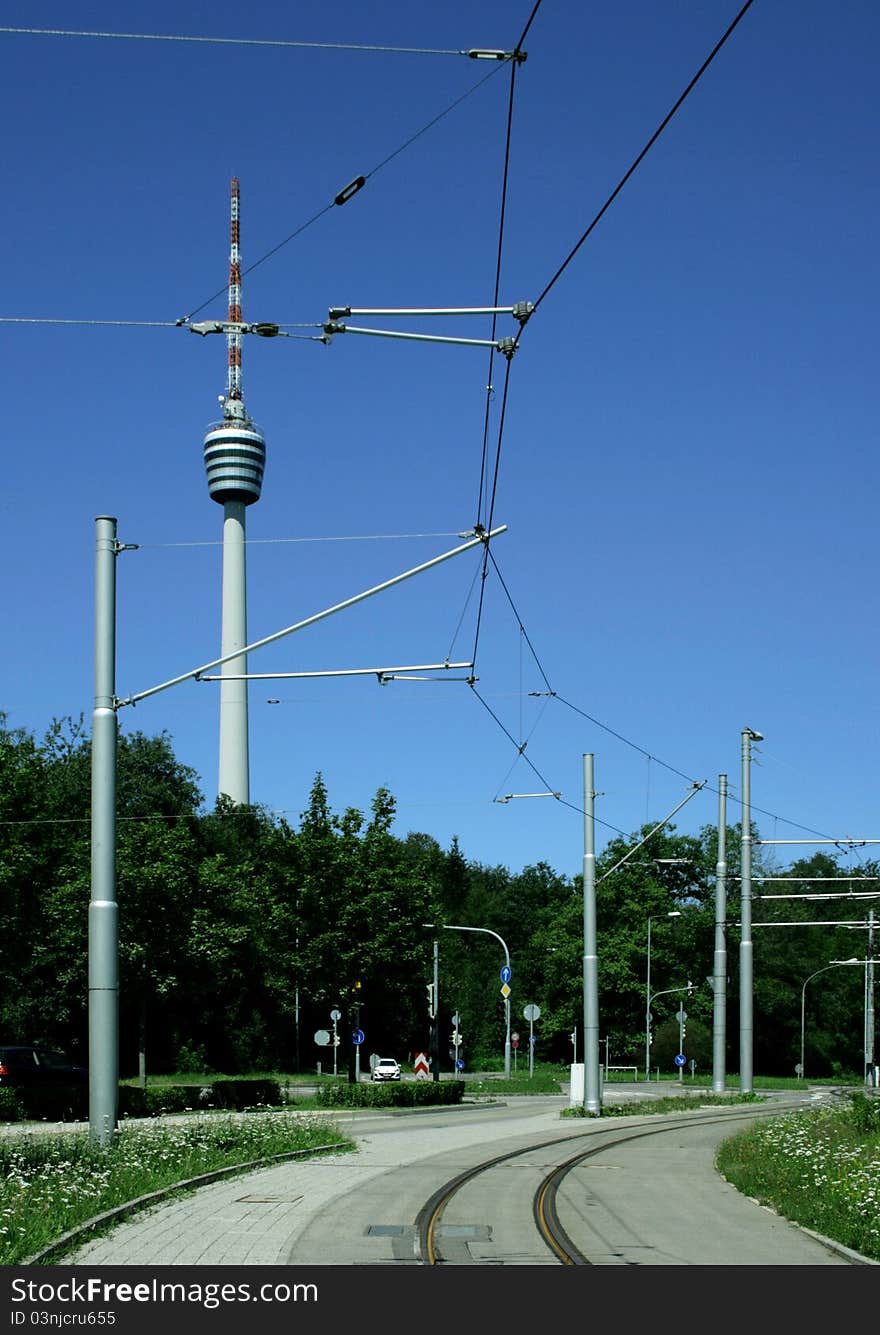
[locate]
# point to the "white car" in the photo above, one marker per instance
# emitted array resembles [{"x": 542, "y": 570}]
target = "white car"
[{"x": 386, "y": 1068}]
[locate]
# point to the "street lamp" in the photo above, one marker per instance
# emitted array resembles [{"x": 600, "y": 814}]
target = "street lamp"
[
  {"x": 833, "y": 965},
  {"x": 675, "y": 913},
  {"x": 450, "y": 927},
  {"x": 869, "y": 1009}
]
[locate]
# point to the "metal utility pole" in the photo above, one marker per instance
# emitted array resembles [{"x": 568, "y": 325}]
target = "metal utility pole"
[
  {"x": 648, "y": 1009},
  {"x": 103, "y": 909},
  {"x": 719, "y": 972},
  {"x": 682, "y": 1016},
  {"x": 435, "y": 1017},
  {"x": 592, "y": 1096},
  {"x": 870, "y": 1065},
  {"x": 745, "y": 945}
]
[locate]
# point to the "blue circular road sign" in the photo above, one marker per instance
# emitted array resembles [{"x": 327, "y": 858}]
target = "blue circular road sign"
[
  {"x": 505, "y": 973},
  {"x": 680, "y": 1059},
  {"x": 459, "y": 1065},
  {"x": 358, "y": 1037}
]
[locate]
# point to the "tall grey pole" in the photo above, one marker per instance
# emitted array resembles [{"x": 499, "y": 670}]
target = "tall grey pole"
[
  {"x": 682, "y": 1013},
  {"x": 870, "y": 1068},
  {"x": 103, "y": 909},
  {"x": 648, "y": 1009},
  {"x": 592, "y": 1095},
  {"x": 719, "y": 973},
  {"x": 435, "y": 1036},
  {"x": 745, "y": 944}
]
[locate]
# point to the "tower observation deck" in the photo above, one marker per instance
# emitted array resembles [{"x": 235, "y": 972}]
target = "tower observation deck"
[{"x": 235, "y": 456}]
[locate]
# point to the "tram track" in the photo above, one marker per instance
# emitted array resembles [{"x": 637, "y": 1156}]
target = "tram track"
[{"x": 555, "y": 1243}]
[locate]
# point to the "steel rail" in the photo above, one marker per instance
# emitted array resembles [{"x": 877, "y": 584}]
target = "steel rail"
[{"x": 545, "y": 1210}]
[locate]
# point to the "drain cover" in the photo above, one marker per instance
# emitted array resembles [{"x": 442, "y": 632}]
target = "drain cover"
[{"x": 267, "y": 1200}]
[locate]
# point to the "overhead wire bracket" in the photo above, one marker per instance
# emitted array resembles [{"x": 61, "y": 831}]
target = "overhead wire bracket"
[{"x": 521, "y": 311}]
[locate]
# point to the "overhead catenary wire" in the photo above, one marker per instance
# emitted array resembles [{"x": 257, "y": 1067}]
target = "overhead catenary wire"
[
  {"x": 562, "y": 267},
  {"x": 480, "y": 517},
  {"x": 485, "y": 521},
  {"x": 344, "y": 537},
  {"x": 643, "y": 154},
  {"x": 519, "y": 622},
  {"x": 517, "y": 52},
  {"x": 549, "y": 694},
  {"x": 343, "y": 196},
  {"x": 52, "y": 319},
  {"x": 696, "y": 787},
  {"x": 242, "y": 41},
  {"x": 533, "y": 767},
  {"x": 700, "y": 784},
  {"x": 544, "y": 293}
]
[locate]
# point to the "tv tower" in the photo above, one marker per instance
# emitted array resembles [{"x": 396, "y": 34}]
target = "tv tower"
[{"x": 235, "y": 457}]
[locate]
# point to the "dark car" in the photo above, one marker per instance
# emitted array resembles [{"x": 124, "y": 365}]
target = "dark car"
[{"x": 31, "y": 1064}]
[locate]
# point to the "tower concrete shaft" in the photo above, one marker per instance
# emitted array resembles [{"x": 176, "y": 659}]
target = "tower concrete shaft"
[{"x": 234, "y": 774}]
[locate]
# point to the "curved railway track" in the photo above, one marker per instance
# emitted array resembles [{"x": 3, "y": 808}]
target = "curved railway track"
[{"x": 553, "y": 1238}]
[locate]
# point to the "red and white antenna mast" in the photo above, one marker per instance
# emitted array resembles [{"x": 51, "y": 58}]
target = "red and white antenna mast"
[{"x": 233, "y": 336}]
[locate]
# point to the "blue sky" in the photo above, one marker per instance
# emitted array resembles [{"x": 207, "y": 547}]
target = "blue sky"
[{"x": 687, "y": 461}]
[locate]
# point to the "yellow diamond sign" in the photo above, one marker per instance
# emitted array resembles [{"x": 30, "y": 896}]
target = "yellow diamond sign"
[{"x": 505, "y": 991}]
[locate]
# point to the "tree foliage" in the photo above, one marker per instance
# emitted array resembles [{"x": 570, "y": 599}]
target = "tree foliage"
[{"x": 240, "y": 933}]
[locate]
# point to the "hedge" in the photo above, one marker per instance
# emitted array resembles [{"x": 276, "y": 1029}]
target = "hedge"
[{"x": 412, "y": 1094}]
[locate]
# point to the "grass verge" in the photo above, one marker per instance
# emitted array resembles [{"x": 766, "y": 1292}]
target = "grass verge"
[
  {"x": 820, "y": 1168},
  {"x": 50, "y": 1184},
  {"x": 646, "y": 1107}
]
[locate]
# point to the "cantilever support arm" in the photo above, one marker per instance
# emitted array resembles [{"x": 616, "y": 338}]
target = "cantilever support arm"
[{"x": 481, "y": 538}]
